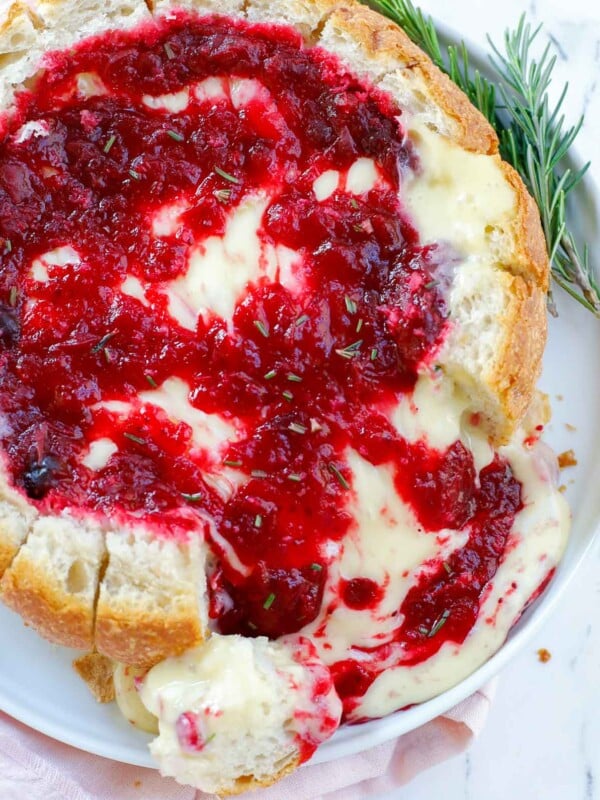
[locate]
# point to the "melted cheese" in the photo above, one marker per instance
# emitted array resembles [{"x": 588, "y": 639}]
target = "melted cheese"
[
  {"x": 89, "y": 84},
  {"x": 174, "y": 103},
  {"x": 99, "y": 454},
  {"x": 59, "y": 257},
  {"x": 133, "y": 287},
  {"x": 211, "y": 89},
  {"x": 437, "y": 412},
  {"x": 128, "y": 698},
  {"x": 362, "y": 176},
  {"x": 221, "y": 268},
  {"x": 536, "y": 545},
  {"x": 326, "y": 184},
  {"x": 209, "y": 431},
  {"x": 387, "y": 545},
  {"x": 234, "y": 707},
  {"x": 444, "y": 196},
  {"x": 166, "y": 221}
]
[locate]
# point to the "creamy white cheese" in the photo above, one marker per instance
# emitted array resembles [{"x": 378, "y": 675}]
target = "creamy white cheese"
[
  {"x": 234, "y": 707},
  {"x": 99, "y": 454},
  {"x": 59, "y": 257},
  {"x": 174, "y": 103},
  {"x": 209, "y": 431},
  {"x": 444, "y": 196},
  {"x": 535, "y": 546},
  {"x": 221, "y": 268},
  {"x": 362, "y": 176}
]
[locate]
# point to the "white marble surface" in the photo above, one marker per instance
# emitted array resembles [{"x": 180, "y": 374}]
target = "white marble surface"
[{"x": 543, "y": 735}]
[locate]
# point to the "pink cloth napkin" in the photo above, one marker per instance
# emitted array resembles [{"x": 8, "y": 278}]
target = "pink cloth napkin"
[{"x": 34, "y": 767}]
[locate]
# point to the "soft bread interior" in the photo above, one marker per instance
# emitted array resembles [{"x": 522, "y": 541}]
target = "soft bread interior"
[
  {"x": 53, "y": 579},
  {"x": 152, "y": 600},
  {"x": 16, "y": 519}
]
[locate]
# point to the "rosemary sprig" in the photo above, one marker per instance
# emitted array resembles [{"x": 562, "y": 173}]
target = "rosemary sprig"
[{"x": 533, "y": 136}]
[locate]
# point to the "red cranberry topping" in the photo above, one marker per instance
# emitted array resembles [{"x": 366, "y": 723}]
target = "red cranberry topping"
[
  {"x": 361, "y": 593},
  {"x": 188, "y": 733}
]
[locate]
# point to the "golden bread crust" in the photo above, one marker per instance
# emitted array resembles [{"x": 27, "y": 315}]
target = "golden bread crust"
[
  {"x": 97, "y": 671},
  {"x": 249, "y": 782},
  {"x": 60, "y": 616},
  {"x": 381, "y": 38},
  {"x": 143, "y": 640}
]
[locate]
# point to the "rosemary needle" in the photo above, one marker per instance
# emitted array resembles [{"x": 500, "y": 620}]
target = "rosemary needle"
[{"x": 532, "y": 133}]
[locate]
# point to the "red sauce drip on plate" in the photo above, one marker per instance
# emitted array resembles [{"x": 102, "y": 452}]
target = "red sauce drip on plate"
[{"x": 302, "y": 376}]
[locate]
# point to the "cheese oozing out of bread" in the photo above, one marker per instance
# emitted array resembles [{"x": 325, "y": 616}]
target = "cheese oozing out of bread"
[{"x": 237, "y": 707}]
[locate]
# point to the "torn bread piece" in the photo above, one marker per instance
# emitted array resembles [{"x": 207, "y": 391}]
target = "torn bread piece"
[
  {"x": 53, "y": 580},
  {"x": 98, "y": 672},
  {"x": 152, "y": 601}
]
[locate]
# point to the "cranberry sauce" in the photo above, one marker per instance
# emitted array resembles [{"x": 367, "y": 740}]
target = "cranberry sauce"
[{"x": 301, "y": 375}]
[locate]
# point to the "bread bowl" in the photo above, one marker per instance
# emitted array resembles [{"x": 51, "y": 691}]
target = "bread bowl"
[{"x": 474, "y": 366}]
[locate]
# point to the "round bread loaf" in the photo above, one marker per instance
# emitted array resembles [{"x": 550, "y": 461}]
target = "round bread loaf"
[{"x": 112, "y": 583}]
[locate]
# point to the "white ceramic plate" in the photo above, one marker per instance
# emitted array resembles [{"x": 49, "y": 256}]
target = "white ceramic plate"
[{"x": 39, "y": 687}]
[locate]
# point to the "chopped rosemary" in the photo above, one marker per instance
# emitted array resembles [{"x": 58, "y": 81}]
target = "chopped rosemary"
[
  {"x": 258, "y": 473},
  {"x": 177, "y": 137},
  {"x": 288, "y": 395},
  {"x": 351, "y": 350},
  {"x": 373, "y": 354},
  {"x": 301, "y": 320},
  {"x": 12, "y": 297},
  {"x": 293, "y": 476},
  {"x": 109, "y": 144},
  {"x": 7, "y": 246},
  {"x": 316, "y": 567},
  {"x": 103, "y": 342},
  {"x": 226, "y": 175},
  {"x": 439, "y": 623},
  {"x": 359, "y": 325},
  {"x": 431, "y": 284},
  {"x": 448, "y": 568},
  {"x": 296, "y": 427},
  {"x": 135, "y": 175},
  {"x": 108, "y": 356},
  {"x": 270, "y": 374},
  {"x": 269, "y": 602},
  {"x": 192, "y": 498},
  {"x": 261, "y": 327},
  {"x": 294, "y": 378},
  {"x": 169, "y": 51},
  {"x": 229, "y": 463},
  {"x": 137, "y": 439},
  {"x": 338, "y": 475},
  {"x": 351, "y": 305},
  {"x": 354, "y": 203},
  {"x": 258, "y": 521},
  {"x": 222, "y": 195},
  {"x": 210, "y": 738},
  {"x": 151, "y": 381}
]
